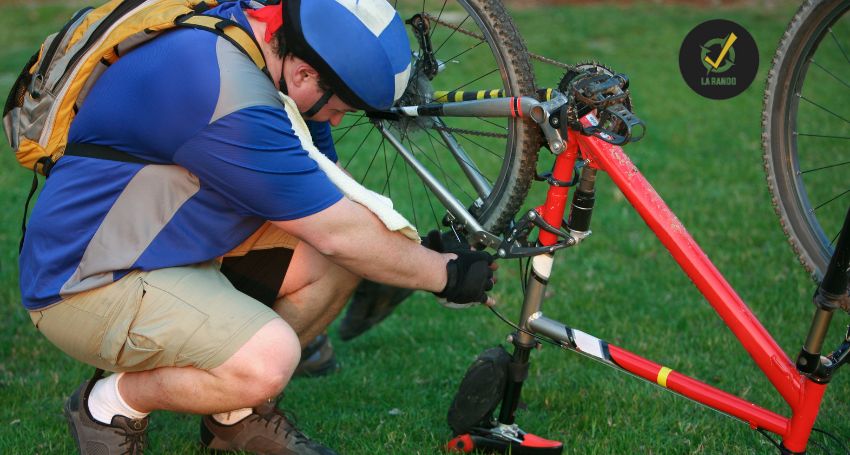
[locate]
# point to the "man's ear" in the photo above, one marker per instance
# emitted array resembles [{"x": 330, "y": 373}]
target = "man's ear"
[{"x": 302, "y": 72}]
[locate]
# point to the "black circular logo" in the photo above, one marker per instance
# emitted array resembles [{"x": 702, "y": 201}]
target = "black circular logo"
[{"x": 719, "y": 59}]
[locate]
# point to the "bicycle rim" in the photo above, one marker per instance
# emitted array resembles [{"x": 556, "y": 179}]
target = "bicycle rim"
[
  {"x": 478, "y": 50},
  {"x": 807, "y": 130}
]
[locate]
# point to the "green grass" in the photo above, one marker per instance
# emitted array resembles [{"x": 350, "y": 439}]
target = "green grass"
[{"x": 702, "y": 156}]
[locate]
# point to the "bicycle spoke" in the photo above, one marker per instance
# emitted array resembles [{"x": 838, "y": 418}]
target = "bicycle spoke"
[
  {"x": 357, "y": 122},
  {"x": 464, "y": 52},
  {"x": 437, "y": 222},
  {"x": 356, "y": 151},
  {"x": 454, "y": 30},
  {"x": 387, "y": 186},
  {"x": 386, "y": 164},
  {"x": 467, "y": 162},
  {"x": 417, "y": 147},
  {"x": 824, "y": 167},
  {"x": 437, "y": 22},
  {"x": 830, "y": 73},
  {"x": 475, "y": 80},
  {"x": 346, "y": 129},
  {"x": 427, "y": 193},
  {"x": 834, "y": 239},
  {"x": 497, "y": 125},
  {"x": 823, "y": 108},
  {"x": 827, "y": 202},
  {"x": 434, "y": 150},
  {"x": 410, "y": 191},
  {"x": 349, "y": 128},
  {"x": 826, "y": 136},
  {"x": 442, "y": 168},
  {"x": 371, "y": 162},
  {"x": 480, "y": 146},
  {"x": 840, "y": 47}
]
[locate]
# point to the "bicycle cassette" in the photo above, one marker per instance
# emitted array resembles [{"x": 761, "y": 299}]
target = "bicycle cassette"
[{"x": 591, "y": 87}]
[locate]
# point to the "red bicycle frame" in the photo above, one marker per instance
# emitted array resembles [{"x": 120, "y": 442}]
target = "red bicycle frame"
[{"x": 801, "y": 393}]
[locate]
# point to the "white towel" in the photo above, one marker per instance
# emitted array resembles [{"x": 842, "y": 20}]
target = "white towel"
[{"x": 378, "y": 204}]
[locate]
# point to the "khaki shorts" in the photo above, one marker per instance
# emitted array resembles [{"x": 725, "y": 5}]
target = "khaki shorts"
[{"x": 173, "y": 317}]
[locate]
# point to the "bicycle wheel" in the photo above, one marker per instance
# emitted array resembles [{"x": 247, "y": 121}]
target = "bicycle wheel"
[
  {"x": 486, "y": 163},
  {"x": 806, "y": 129}
]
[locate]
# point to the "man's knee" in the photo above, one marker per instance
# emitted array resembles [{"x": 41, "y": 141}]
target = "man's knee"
[{"x": 262, "y": 367}]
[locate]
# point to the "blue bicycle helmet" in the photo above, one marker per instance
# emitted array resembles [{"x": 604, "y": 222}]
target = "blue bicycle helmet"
[{"x": 359, "y": 47}]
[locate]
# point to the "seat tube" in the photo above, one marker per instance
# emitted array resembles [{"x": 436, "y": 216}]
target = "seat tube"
[
  {"x": 805, "y": 413},
  {"x": 524, "y": 342}
]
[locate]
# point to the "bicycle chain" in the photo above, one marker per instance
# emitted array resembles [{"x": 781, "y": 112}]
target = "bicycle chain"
[
  {"x": 462, "y": 30},
  {"x": 471, "y": 132}
]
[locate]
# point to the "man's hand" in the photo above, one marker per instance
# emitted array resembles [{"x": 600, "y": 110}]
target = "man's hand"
[{"x": 468, "y": 277}]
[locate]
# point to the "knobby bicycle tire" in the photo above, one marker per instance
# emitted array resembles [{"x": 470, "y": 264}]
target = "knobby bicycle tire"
[
  {"x": 806, "y": 132},
  {"x": 478, "y": 49}
]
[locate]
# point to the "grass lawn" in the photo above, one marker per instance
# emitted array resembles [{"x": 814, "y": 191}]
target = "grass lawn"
[{"x": 396, "y": 381}]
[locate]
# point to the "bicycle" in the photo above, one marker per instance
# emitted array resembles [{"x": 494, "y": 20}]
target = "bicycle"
[{"x": 493, "y": 137}]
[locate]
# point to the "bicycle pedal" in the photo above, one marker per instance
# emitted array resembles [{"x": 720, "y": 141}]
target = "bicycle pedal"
[{"x": 530, "y": 445}]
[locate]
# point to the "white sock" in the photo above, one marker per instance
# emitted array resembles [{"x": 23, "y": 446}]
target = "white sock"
[
  {"x": 231, "y": 417},
  {"x": 105, "y": 401}
]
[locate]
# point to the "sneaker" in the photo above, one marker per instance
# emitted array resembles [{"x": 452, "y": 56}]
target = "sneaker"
[
  {"x": 372, "y": 303},
  {"x": 266, "y": 432},
  {"x": 122, "y": 436},
  {"x": 317, "y": 358}
]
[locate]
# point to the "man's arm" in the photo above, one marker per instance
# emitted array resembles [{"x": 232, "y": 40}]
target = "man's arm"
[{"x": 351, "y": 236}]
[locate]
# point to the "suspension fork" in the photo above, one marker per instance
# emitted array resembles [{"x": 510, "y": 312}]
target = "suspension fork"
[{"x": 553, "y": 212}]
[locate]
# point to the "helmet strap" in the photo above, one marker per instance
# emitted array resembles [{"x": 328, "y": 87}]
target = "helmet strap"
[
  {"x": 318, "y": 105},
  {"x": 282, "y": 84}
]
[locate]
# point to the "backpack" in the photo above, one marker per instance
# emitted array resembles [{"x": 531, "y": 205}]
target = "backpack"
[
  {"x": 45, "y": 97},
  {"x": 54, "y": 83}
]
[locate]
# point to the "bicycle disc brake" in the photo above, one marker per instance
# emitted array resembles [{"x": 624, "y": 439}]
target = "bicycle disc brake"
[{"x": 592, "y": 86}]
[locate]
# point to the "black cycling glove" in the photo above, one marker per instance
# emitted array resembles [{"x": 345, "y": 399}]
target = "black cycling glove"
[{"x": 469, "y": 276}]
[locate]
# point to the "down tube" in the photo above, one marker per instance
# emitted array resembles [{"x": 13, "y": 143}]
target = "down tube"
[{"x": 802, "y": 395}]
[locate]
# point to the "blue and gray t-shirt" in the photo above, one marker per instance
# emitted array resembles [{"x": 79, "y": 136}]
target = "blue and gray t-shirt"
[{"x": 193, "y": 102}]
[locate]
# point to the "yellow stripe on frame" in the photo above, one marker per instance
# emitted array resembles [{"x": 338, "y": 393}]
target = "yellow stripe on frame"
[
  {"x": 494, "y": 93},
  {"x": 481, "y": 94},
  {"x": 458, "y": 96},
  {"x": 662, "y": 376}
]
